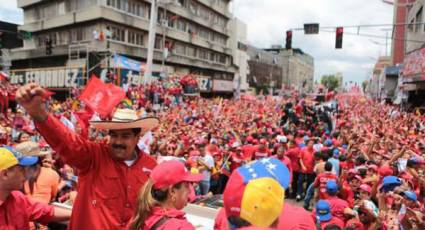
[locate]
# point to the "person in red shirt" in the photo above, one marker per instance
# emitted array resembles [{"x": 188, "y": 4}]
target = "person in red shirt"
[
  {"x": 110, "y": 174},
  {"x": 293, "y": 154},
  {"x": 262, "y": 150},
  {"x": 322, "y": 179},
  {"x": 337, "y": 204},
  {"x": 324, "y": 217},
  {"x": 307, "y": 166},
  {"x": 17, "y": 210},
  {"x": 162, "y": 198}
]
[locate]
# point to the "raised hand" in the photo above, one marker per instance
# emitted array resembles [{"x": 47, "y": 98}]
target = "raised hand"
[{"x": 31, "y": 97}]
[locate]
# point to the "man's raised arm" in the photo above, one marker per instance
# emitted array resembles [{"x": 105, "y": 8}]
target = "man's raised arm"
[{"x": 75, "y": 150}]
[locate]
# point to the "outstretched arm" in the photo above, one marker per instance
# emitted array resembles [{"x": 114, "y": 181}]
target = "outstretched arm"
[{"x": 76, "y": 151}]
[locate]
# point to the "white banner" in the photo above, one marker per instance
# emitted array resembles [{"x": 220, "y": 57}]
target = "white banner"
[{"x": 223, "y": 86}]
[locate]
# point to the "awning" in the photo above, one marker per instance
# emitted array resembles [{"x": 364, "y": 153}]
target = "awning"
[
  {"x": 414, "y": 64},
  {"x": 392, "y": 70}
]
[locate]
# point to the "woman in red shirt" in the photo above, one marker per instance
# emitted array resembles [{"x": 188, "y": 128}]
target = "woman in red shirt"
[{"x": 162, "y": 198}]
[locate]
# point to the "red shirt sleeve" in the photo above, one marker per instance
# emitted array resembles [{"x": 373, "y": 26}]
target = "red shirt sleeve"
[
  {"x": 74, "y": 149},
  {"x": 37, "y": 212}
]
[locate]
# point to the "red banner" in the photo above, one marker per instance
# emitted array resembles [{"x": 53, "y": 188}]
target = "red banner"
[{"x": 100, "y": 97}]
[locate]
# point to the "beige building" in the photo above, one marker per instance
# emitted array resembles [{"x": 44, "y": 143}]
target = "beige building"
[
  {"x": 197, "y": 33},
  {"x": 297, "y": 68}
]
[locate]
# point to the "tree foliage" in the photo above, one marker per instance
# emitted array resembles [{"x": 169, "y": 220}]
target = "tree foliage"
[{"x": 330, "y": 81}]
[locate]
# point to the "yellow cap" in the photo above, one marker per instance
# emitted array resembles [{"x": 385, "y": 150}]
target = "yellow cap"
[{"x": 7, "y": 159}]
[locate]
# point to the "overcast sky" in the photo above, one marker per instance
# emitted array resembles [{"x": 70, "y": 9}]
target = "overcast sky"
[{"x": 267, "y": 21}]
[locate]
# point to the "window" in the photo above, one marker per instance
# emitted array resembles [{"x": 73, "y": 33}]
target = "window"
[
  {"x": 135, "y": 38},
  {"x": 180, "y": 48},
  {"x": 181, "y": 25},
  {"x": 190, "y": 51},
  {"x": 418, "y": 20},
  {"x": 158, "y": 43},
  {"x": 410, "y": 26}
]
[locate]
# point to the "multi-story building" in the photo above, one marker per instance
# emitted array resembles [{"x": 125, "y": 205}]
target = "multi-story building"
[
  {"x": 297, "y": 68},
  {"x": 9, "y": 39},
  {"x": 265, "y": 70},
  {"x": 377, "y": 82},
  {"x": 240, "y": 55},
  {"x": 85, "y": 33}
]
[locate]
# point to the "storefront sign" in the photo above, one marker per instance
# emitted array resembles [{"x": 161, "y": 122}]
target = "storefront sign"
[
  {"x": 52, "y": 78},
  {"x": 223, "y": 86},
  {"x": 204, "y": 83}
]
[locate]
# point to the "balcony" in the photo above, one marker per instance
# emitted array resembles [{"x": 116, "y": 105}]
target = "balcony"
[{"x": 25, "y": 3}]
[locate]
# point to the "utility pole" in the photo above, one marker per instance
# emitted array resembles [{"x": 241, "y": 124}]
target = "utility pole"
[{"x": 151, "y": 42}]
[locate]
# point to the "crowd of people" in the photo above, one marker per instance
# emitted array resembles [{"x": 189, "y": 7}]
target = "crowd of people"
[{"x": 352, "y": 164}]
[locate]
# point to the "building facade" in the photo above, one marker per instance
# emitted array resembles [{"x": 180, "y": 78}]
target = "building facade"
[
  {"x": 192, "y": 36},
  {"x": 297, "y": 68},
  {"x": 9, "y": 39},
  {"x": 240, "y": 55},
  {"x": 413, "y": 73},
  {"x": 265, "y": 70}
]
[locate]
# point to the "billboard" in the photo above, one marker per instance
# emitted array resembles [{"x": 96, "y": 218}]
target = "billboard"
[{"x": 49, "y": 77}]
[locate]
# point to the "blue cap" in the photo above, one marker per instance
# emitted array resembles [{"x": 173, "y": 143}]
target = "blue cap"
[
  {"x": 327, "y": 132},
  {"x": 328, "y": 142},
  {"x": 344, "y": 146},
  {"x": 323, "y": 210},
  {"x": 302, "y": 145},
  {"x": 306, "y": 138},
  {"x": 389, "y": 183},
  {"x": 410, "y": 195},
  {"x": 331, "y": 187},
  {"x": 335, "y": 152},
  {"x": 23, "y": 160}
]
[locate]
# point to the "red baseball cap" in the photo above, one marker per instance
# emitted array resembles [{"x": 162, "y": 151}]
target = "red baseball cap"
[
  {"x": 170, "y": 173},
  {"x": 385, "y": 170}
]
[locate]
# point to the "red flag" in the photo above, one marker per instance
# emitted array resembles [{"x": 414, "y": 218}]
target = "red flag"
[
  {"x": 83, "y": 118},
  {"x": 100, "y": 97}
]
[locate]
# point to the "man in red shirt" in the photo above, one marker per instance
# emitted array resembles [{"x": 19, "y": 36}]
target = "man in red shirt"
[
  {"x": 307, "y": 165},
  {"x": 337, "y": 204},
  {"x": 324, "y": 216},
  {"x": 293, "y": 153},
  {"x": 17, "y": 210},
  {"x": 110, "y": 175},
  {"x": 262, "y": 150},
  {"x": 322, "y": 179}
]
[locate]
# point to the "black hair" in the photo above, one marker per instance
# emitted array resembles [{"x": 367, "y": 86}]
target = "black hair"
[
  {"x": 342, "y": 158},
  {"x": 238, "y": 222},
  {"x": 318, "y": 155},
  {"x": 136, "y": 131},
  {"x": 332, "y": 227},
  {"x": 350, "y": 228},
  {"x": 325, "y": 156},
  {"x": 328, "y": 166},
  {"x": 362, "y": 172},
  {"x": 360, "y": 160}
]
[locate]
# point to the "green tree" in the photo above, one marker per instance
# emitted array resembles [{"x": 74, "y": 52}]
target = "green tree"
[
  {"x": 331, "y": 81},
  {"x": 365, "y": 83}
]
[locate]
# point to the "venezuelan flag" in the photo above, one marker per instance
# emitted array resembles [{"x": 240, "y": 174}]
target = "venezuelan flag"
[{"x": 127, "y": 102}]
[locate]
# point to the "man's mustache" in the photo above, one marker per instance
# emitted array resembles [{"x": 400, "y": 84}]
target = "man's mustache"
[{"x": 119, "y": 146}]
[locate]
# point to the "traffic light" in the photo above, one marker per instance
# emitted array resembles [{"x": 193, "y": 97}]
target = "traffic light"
[
  {"x": 338, "y": 40},
  {"x": 48, "y": 44},
  {"x": 288, "y": 39}
]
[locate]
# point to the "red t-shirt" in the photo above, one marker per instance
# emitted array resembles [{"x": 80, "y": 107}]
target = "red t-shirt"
[
  {"x": 337, "y": 207},
  {"x": 335, "y": 221},
  {"x": 294, "y": 155},
  {"x": 261, "y": 153},
  {"x": 287, "y": 162},
  {"x": 293, "y": 217},
  {"x": 307, "y": 156},
  {"x": 321, "y": 181},
  {"x": 18, "y": 210},
  {"x": 248, "y": 150}
]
